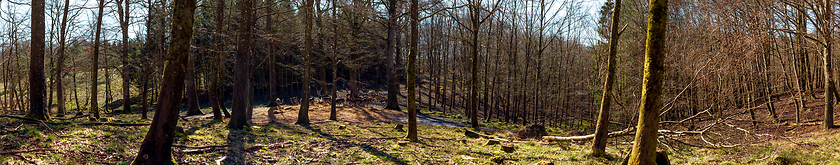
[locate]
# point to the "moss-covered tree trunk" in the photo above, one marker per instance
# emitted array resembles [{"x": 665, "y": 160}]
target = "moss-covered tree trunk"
[
  {"x": 157, "y": 146},
  {"x": 412, "y": 55},
  {"x": 37, "y": 81},
  {"x": 644, "y": 147},
  {"x": 473, "y": 106},
  {"x": 303, "y": 113},
  {"x": 599, "y": 143},
  {"x": 239, "y": 118}
]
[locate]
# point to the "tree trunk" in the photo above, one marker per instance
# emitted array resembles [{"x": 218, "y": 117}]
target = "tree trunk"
[
  {"x": 94, "y": 68},
  {"x": 644, "y": 147},
  {"x": 828, "y": 121},
  {"x": 272, "y": 78},
  {"x": 334, "y": 95},
  {"x": 157, "y": 145},
  {"x": 303, "y": 113},
  {"x": 799, "y": 63},
  {"x": 60, "y": 64},
  {"x": 37, "y": 81},
  {"x": 393, "y": 86},
  {"x": 192, "y": 98},
  {"x": 215, "y": 101},
  {"x": 144, "y": 95},
  {"x": 412, "y": 109},
  {"x": 476, "y": 26},
  {"x": 124, "y": 20},
  {"x": 599, "y": 144},
  {"x": 243, "y": 59}
]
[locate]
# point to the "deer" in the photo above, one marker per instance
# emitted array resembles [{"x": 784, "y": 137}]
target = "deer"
[{"x": 293, "y": 100}]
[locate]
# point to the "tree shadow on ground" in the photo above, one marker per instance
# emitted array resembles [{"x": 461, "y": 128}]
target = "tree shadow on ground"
[
  {"x": 192, "y": 130},
  {"x": 236, "y": 145},
  {"x": 366, "y": 147}
]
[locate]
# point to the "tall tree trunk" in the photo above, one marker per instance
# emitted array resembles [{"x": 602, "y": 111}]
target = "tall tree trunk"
[
  {"x": 157, "y": 145},
  {"x": 800, "y": 56},
  {"x": 272, "y": 78},
  {"x": 644, "y": 147},
  {"x": 599, "y": 144},
  {"x": 393, "y": 86},
  {"x": 412, "y": 109},
  {"x": 147, "y": 68},
  {"x": 303, "y": 113},
  {"x": 828, "y": 121},
  {"x": 476, "y": 26},
  {"x": 334, "y": 95},
  {"x": 60, "y": 64},
  {"x": 192, "y": 97},
  {"x": 243, "y": 59},
  {"x": 767, "y": 85},
  {"x": 94, "y": 68},
  {"x": 37, "y": 81},
  {"x": 215, "y": 74},
  {"x": 124, "y": 20}
]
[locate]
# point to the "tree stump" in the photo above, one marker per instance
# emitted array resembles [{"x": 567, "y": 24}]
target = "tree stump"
[{"x": 508, "y": 148}]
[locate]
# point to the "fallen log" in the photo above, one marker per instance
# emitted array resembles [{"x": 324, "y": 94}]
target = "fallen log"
[{"x": 627, "y": 131}]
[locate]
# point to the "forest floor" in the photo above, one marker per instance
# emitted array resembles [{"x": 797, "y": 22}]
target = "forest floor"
[{"x": 364, "y": 135}]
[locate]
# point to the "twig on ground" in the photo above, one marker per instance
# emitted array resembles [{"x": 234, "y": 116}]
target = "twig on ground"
[{"x": 25, "y": 151}]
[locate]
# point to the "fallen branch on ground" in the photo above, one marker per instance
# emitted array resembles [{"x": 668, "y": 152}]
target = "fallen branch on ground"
[
  {"x": 74, "y": 117},
  {"x": 260, "y": 146},
  {"x": 25, "y": 151},
  {"x": 114, "y": 124},
  {"x": 199, "y": 147}
]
